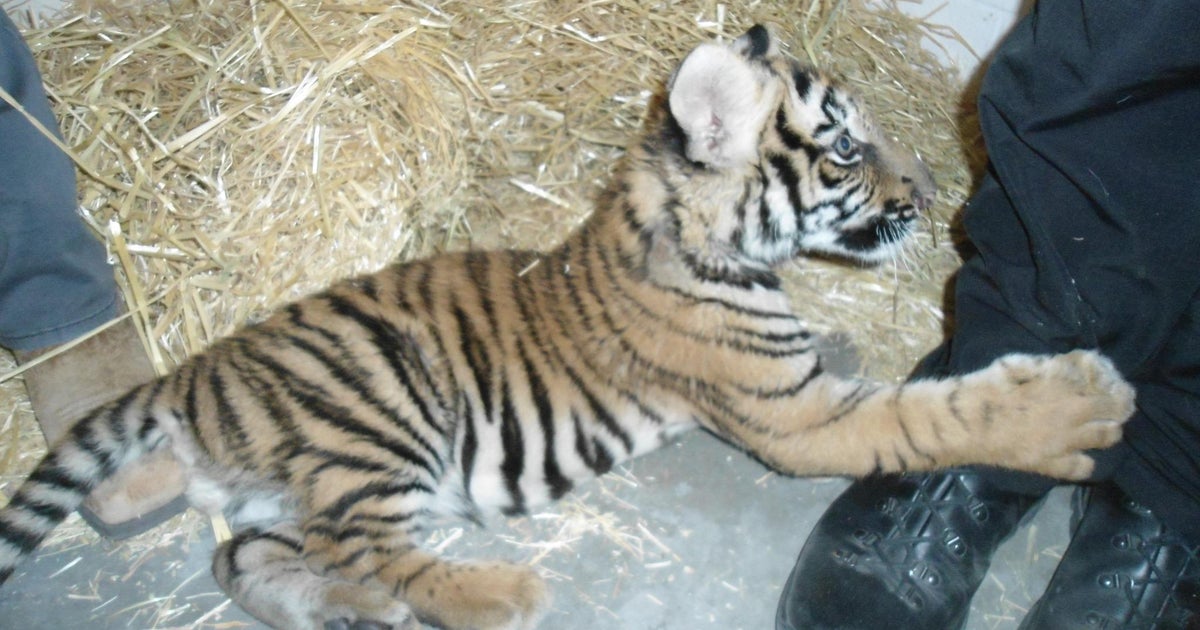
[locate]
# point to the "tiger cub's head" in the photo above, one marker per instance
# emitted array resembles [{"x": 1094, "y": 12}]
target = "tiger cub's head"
[{"x": 804, "y": 164}]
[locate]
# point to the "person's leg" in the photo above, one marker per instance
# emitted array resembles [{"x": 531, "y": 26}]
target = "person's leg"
[
  {"x": 1085, "y": 228},
  {"x": 54, "y": 282},
  {"x": 55, "y": 287}
]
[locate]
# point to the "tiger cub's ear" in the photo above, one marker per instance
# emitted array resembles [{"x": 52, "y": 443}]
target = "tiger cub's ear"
[
  {"x": 721, "y": 97},
  {"x": 756, "y": 43}
]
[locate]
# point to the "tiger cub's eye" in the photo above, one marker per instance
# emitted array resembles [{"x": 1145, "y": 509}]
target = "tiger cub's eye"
[{"x": 845, "y": 146}]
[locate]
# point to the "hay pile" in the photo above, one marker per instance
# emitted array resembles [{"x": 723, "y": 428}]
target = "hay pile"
[{"x": 235, "y": 154}]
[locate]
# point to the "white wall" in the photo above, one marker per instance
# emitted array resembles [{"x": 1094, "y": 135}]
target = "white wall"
[{"x": 980, "y": 22}]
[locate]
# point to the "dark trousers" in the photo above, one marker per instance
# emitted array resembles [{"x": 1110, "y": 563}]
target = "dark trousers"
[
  {"x": 1086, "y": 228},
  {"x": 54, "y": 281}
]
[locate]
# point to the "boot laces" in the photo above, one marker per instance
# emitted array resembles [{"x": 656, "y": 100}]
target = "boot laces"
[{"x": 1180, "y": 582}]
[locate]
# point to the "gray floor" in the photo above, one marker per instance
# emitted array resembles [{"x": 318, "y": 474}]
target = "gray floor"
[{"x": 693, "y": 536}]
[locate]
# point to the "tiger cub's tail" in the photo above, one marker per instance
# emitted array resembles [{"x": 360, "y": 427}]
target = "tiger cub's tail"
[{"x": 93, "y": 450}]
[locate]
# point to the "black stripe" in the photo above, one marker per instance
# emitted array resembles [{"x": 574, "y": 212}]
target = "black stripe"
[
  {"x": 409, "y": 354},
  {"x": 49, "y": 511},
  {"x": 848, "y": 404},
  {"x": 424, "y": 284},
  {"x": 669, "y": 326},
  {"x": 292, "y": 438},
  {"x": 847, "y": 209},
  {"x": 686, "y": 385},
  {"x": 799, "y": 335},
  {"x": 825, "y": 127},
  {"x": 865, "y": 238},
  {"x": 367, "y": 285},
  {"x": 347, "y": 532},
  {"x": 356, "y": 381},
  {"x": 831, "y": 108},
  {"x": 786, "y": 392},
  {"x": 470, "y": 446},
  {"x": 803, "y": 81},
  {"x": 23, "y": 539},
  {"x": 387, "y": 519},
  {"x": 475, "y": 353},
  {"x": 51, "y": 474},
  {"x": 577, "y": 298},
  {"x": 148, "y": 424},
  {"x": 227, "y": 418},
  {"x": 190, "y": 405},
  {"x": 280, "y": 539},
  {"x": 536, "y": 321},
  {"x": 791, "y": 181},
  {"x": 726, "y": 304},
  {"x": 233, "y": 548},
  {"x": 832, "y": 181},
  {"x": 355, "y": 556},
  {"x": 478, "y": 265},
  {"x": 82, "y": 436},
  {"x": 559, "y": 485},
  {"x": 552, "y": 353},
  {"x": 514, "y": 451},
  {"x": 606, "y": 418},
  {"x": 373, "y": 490},
  {"x": 604, "y": 460},
  {"x": 115, "y": 422},
  {"x": 316, "y": 401},
  {"x": 631, "y": 220},
  {"x": 768, "y": 224},
  {"x": 108, "y": 451},
  {"x": 333, "y": 459},
  {"x": 391, "y": 344},
  {"x": 146, "y": 427},
  {"x": 952, "y": 404},
  {"x": 790, "y": 138},
  {"x": 740, "y": 276},
  {"x": 909, "y": 438},
  {"x": 591, "y": 450},
  {"x": 421, "y": 570}
]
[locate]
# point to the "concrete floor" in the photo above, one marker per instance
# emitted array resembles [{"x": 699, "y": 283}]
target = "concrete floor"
[{"x": 695, "y": 535}]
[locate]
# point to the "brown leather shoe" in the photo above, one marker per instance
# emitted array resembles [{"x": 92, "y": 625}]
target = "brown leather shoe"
[{"x": 65, "y": 387}]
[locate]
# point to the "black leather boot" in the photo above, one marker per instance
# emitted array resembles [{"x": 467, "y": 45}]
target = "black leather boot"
[
  {"x": 1124, "y": 569},
  {"x": 900, "y": 552}
]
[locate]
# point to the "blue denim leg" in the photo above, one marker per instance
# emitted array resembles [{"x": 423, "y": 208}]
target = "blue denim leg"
[{"x": 55, "y": 283}]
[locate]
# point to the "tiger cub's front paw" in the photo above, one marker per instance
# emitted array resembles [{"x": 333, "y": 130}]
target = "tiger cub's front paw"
[{"x": 1053, "y": 408}]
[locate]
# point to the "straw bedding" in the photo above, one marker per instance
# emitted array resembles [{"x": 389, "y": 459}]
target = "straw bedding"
[{"x": 234, "y": 154}]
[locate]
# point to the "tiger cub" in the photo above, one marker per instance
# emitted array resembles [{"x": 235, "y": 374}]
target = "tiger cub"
[{"x": 490, "y": 382}]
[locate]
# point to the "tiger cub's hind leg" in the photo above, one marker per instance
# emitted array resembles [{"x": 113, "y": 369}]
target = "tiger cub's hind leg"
[
  {"x": 266, "y": 574},
  {"x": 361, "y": 549}
]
